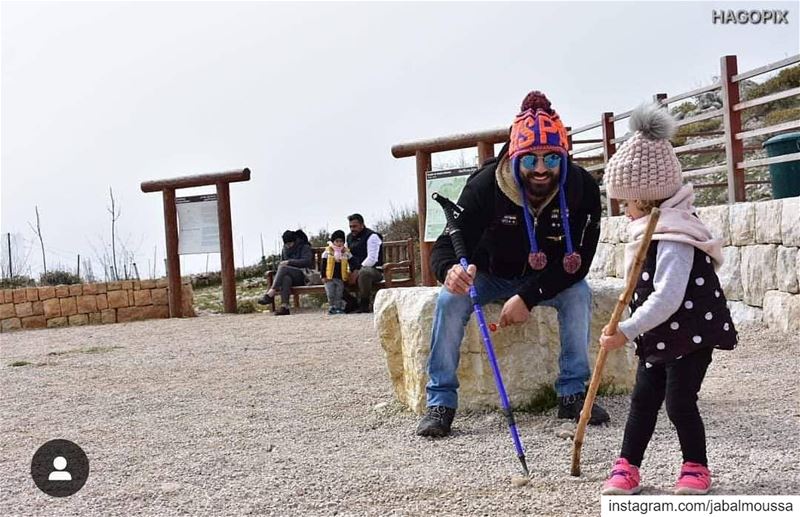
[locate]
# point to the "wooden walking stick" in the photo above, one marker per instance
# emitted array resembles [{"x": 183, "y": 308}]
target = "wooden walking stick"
[{"x": 622, "y": 302}]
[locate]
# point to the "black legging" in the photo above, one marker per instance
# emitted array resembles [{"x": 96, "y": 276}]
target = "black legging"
[{"x": 679, "y": 382}]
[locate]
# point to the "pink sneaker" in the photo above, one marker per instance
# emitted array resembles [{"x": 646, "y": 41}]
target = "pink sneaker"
[
  {"x": 624, "y": 479},
  {"x": 694, "y": 479}
]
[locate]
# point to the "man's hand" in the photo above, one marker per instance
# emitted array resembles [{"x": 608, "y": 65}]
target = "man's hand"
[
  {"x": 283, "y": 263},
  {"x": 514, "y": 312},
  {"x": 458, "y": 281},
  {"x": 352, "y": 279},
  {"x": 612, "y": 341}
]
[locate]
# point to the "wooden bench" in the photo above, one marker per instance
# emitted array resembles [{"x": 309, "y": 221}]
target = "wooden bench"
[{"x": 398, "y": 270}]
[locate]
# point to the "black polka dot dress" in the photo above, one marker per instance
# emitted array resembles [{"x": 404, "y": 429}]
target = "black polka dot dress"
[{"x": 703, "y": 319}]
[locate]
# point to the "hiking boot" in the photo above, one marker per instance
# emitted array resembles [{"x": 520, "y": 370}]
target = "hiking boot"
[
  {"x": 623, "y": 480},
  {"x": 570, "y": 407},
  {"x": 283, "y": 311},
  {"x": 266, "y": 300},
  {"x": 694, "y": 479},
  {"x": 333, "y": 310},
  {"x": 437, "y": 422},
  {"x": 350, "y": 302},
  {"x": 363, "y": 306}
]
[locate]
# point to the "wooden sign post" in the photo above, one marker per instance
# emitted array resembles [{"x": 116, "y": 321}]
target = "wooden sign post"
[{"x": 167, "y": 187}]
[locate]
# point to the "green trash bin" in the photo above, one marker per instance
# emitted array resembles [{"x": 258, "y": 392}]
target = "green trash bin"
[{"x": 785, "y": 176}]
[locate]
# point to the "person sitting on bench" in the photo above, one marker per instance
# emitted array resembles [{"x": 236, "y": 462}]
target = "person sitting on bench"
[
  {"x": 295, "y": 256},
  {"x": 366, "y": 245}
]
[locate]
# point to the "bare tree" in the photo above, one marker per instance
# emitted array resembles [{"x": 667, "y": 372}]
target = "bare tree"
[
  {"x": 128, "y": 256},
  {"x": 117, "y": 260},
  {"x": 115, "y": 213},
  {"x": 38, "y": 231},
  {"x": 15, "y": 256},
  {"x": 102, "y": 253},
  {"x": 88, "y": 274}
]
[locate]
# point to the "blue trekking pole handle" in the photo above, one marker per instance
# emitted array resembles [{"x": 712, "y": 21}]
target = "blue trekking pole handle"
[{"x": 451, "y": 213}]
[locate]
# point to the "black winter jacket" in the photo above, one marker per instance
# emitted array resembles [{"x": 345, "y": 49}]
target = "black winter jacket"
[
  {"x": 496, "y": 239},
  {"x": 300, "y": 255}
]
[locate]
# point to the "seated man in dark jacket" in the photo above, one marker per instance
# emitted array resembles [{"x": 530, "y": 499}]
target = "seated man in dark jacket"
[
  {"x": 530, "y": 222},
  {"x": 295, "y": 256}
]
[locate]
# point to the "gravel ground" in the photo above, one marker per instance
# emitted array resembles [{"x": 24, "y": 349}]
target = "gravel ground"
[{"x": 252, "y": 414}]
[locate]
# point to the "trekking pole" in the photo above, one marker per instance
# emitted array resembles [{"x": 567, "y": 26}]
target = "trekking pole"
[
  {"x": 451, "y": 213},
  {"x": 622, "y": 302}
]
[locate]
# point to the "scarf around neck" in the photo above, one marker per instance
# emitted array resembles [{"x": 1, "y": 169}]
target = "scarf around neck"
[
  {"x": 339, "y": 254},
  {"x": 677, "y": 223}
]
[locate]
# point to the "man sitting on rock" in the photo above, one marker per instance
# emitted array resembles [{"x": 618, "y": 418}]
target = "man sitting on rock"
[{"x": 530, "y": 222}]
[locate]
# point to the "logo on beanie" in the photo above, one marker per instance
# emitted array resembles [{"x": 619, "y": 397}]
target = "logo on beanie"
[{"x": 536, "y": 130}]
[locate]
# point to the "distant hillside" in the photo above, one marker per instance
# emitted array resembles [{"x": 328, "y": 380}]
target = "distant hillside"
[{"x": 769, "y": 114}]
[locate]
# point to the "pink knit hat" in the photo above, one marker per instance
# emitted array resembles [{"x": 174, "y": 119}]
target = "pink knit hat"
[{"x": 645, "y": 166}]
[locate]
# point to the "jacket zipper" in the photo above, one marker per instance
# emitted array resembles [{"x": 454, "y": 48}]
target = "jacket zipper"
[{"x": 583, "y": 233}]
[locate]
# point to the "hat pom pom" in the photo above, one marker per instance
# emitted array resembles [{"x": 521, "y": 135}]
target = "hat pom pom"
[
  {"x": 536, "y": 100},
  {"x": 537, "y": 260},
  {"x": 653, "y": 122},
  {"x": 572, "y": 262}
]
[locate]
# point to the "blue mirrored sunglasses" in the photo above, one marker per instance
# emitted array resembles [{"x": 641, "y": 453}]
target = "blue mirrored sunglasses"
[{"x": 530, "y": 161}]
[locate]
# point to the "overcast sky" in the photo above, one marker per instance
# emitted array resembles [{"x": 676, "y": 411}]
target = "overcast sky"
[{"x": 310, "y": 97}]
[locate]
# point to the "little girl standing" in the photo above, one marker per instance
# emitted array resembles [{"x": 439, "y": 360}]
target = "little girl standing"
[
  {"x": 335, "y": 270},
  {"x": 678, "y": 311}
]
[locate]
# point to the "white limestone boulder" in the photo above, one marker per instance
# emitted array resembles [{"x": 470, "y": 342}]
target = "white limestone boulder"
[
  {"x": 768, "y": 221},
  {"x": 619, "y": 260},
  {"x": 614, "y": 229},
  {"x": 797, "y": 266},
  {"x": 782, "y": 311},
  {"x": 527, "y": 354},
  {"x": 603, "y": 263},
  {"x": 717, "y": 220},
  {"x": 758, "y": 272},
  {"x": 730, "y": 274},
  {"x": 786, "y": 270},
  {"x": 742, "y": 219},
  {"x": 743, "y": 314},
  {"x": 790, "y": 221}
]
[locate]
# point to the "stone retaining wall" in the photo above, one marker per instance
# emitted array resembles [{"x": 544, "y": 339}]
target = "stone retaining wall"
[
  {"x": 86, "y": 304},
  {"x": 762, "y": 263}
]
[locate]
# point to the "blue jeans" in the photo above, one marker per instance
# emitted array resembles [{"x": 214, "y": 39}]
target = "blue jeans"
[{"x": 574, "y": 306}]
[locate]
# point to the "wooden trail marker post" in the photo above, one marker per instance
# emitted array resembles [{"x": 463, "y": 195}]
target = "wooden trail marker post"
[{"x": 167, "y": 187}]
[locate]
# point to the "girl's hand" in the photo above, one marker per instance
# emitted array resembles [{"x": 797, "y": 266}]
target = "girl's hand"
[{"x": 613, "y": 341}]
